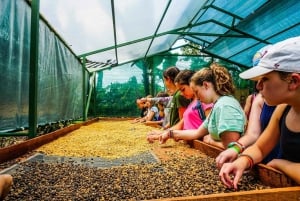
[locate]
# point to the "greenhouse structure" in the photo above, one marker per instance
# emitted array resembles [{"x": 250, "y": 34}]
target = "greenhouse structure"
[
  {"x": 44, "y": 80},
  {"x": 68, "y": 61}
]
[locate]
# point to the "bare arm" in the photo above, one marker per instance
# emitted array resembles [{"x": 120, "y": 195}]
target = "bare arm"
[
  {"x": 265, "y": 143},
  {"x": 252, "y": 133},
  {"x": 247, "y": 106},
  {"x": 185, "y": 134},
  {"x": 291, "y": 169},
  {"x": 181, "y": 111},
  {"x": 229, "y": 136},
  {"x": 179, "y": 125},
  {"x": 253, "y": 128}
]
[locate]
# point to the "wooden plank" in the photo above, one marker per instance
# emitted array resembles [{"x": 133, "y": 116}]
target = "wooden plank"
[
  {"x": 207, "y": 149},
  {"x": 272, "y": 177},
  {"x": 275, "y": 194},
  {"x": 17, "y": 150}
]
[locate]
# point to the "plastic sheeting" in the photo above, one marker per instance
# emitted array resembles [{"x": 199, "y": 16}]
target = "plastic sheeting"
[{"x": 60, "y": 72}]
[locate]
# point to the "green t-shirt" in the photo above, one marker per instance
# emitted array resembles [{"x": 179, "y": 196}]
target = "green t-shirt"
[
  {"x": 177, "y": 102},
  {"x": 226, "y": 115}
]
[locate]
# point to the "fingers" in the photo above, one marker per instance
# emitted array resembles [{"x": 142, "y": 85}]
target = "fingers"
[
  {"x": 152, "y": 136},
  {"x": 226, "y": 156},
  {"x": 226, "y": 179},
  {"x": 163, "y": 138}
]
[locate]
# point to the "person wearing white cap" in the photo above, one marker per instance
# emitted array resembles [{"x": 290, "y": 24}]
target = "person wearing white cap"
[{"x": 278, "y": 76}]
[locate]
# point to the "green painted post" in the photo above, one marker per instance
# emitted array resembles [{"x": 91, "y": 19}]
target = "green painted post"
[
  {"x": 33, "y": 68},
  {"x": 84, "y": 116}
]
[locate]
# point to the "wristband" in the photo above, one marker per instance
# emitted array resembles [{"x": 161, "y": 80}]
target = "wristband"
[
  {"x": 238, "y": 147},
  {"x": 250, "y": 160},
  {"x": 241, "y": 146},
  {"x": 235, "y": 148},
  {"x": 171, "y": 134}
]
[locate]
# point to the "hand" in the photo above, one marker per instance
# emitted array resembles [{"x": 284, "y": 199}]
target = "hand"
[
  {"x": 152, "y": 138},
  {"x": 164, "y": 137},
  {"x": 226, "y": 156},
  {"x": 153, "y": 135},
  {"x": 207, "y": 139},
  {"x": 231, "y": 173}
]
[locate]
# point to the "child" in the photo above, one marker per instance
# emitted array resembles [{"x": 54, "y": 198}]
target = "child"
[
  {"x": 226, "y": 121},
  {"x": 278, "y": 79}
]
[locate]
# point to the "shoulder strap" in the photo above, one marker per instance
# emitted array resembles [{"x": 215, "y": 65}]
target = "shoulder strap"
[{"x": 200, "y": 111}]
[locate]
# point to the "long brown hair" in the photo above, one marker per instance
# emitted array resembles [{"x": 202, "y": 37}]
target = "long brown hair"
[
  {"x": 218, "y": 76},
  {"x": 171, "y": 73}
]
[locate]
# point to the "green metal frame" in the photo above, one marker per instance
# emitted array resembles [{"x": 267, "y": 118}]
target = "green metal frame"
[{"x": 33, "y": 77}]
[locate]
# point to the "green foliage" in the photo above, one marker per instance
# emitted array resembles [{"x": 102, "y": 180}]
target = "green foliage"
[
  {"x": 190, "y": 49},
  {"x": 118, "y": 99}
]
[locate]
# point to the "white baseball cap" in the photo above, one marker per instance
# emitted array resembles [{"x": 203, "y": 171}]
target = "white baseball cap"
[{"x": 282, "y": 56}]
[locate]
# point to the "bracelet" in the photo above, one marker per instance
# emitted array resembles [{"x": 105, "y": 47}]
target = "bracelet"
[
  {"x": 250, "y": 160},
  {"x": 238, "y": 147},
  {"x": 241, "y": 146},
  {"x": 171, "y": 134}
]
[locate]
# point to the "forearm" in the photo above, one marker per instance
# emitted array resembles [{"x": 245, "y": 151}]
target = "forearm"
[
  {"x": 178, "y": 126},
  {"x": 255, "y": 153},
  {"x": 289, "y": 168},
  {"x": 189, "y": 134},
  {"x": 247, "y": 140}
]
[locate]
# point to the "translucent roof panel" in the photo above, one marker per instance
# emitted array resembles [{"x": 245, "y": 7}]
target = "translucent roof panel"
[
  {"x": 83, "y": 29},
  {"x": 179, "y": 14},
  {"x": 135, "y": 50},
  {"x": 239, "y": 8},
  {"x": 127, "y": 30},
  {"x": 137, "y": 18},
  {"x": 162, "y": 43}
]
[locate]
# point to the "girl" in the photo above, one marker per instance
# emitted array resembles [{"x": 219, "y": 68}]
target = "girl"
[
  {"x": 195, "y": 113},
  {"x": 278, "y": 79},
  {"x": 226, "y": 121}
]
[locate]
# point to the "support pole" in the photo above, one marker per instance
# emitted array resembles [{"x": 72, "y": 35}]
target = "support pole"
[
  {"x": 84, "y": 116},
  {"x": 33, "y": 68}
]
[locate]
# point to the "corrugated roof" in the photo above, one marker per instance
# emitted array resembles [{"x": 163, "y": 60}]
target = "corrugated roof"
[{"x": 122, "y": 31}]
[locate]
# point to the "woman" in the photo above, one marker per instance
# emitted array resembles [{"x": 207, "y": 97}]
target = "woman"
[
  {"x": 179, "y": 103},
  {"x": 226, "y": 121},
  {"x": 278, "y": 79}
]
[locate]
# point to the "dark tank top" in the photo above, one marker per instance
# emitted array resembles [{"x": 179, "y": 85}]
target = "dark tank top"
[
  {"x": 265, "y": 116},
  {"x": 289, "y": 140}
]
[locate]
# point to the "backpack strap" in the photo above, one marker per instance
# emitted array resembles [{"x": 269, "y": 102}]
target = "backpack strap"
[{"x": 200, "y": 110}]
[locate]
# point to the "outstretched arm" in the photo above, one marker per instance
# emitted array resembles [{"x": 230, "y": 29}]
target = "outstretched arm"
[
  {"x": 289, "y": 168},
  {"x": 255, "y": 153},
  {"x": 252, "y": 133}
]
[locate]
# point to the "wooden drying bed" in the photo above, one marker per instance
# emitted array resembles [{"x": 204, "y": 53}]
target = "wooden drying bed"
[{"x": 283, "y": 188}]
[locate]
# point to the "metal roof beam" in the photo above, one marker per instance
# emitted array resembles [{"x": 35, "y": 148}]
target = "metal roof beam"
[
  {"x": 114, "y": 27},
  {"x": 157, "y": 28}
]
